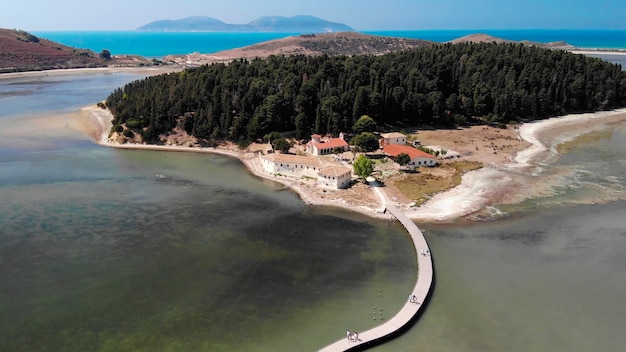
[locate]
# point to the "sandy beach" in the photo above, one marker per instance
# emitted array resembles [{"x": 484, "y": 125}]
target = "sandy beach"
[
  {"x": 598, "y": 52},
  {"x": 561, "y": 130},
  {"x": 147, "y": 70},
  {"x": 493, "y": 184}
]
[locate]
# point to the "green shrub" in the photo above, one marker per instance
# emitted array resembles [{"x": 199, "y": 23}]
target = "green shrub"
[
  {"x": 117, "y": 128},
  {"x": 133, "y": 123},
  {"x": 243, "y": 144},
  {"x": 459, "y": 119},
  {"x": 105, "y": 54},
  {"x": 426, "y": 150},
  {"x": 31, "y": 38},
  {"x": 128, "y": 133}
]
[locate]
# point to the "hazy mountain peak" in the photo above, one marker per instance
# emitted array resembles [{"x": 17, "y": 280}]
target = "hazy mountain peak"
[{"x": 300, "y": 23}]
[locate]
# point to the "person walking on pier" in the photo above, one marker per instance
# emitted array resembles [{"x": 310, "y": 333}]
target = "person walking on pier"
[{"x": 349, "y": 335}]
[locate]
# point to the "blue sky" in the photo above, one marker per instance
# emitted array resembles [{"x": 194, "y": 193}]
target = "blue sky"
[{"x": 41, "y": 15}]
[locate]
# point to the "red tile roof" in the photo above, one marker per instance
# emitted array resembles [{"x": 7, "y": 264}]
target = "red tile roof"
[
  {"x": 331, "y": 143},
  {"x": 396, "y": 149}
]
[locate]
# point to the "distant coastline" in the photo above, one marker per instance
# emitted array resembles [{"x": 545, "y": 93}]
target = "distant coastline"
[
  {"x": 598, "y": 51},
  {"x": 160, "y": 44},
  {"x": 579, "y": 38},
  {"x": 147, "y": 71}
]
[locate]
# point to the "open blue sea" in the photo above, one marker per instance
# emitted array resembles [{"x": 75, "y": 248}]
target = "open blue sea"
[{"x": 159, "y": 44}]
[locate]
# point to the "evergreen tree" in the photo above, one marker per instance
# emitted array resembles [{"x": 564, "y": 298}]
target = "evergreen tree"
[
  {"x": 364, "y": 124},
  {"x": 365, "y": 142},
  {"x": 403, "y": 159},
  {"x": 363, "y": 167},
  {"x": 440, "y": 85}
]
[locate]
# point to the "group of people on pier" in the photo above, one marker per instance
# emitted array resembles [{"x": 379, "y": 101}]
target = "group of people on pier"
[
  {"x": 413, "y": 299},
  {"x": 352, "y": 337}
]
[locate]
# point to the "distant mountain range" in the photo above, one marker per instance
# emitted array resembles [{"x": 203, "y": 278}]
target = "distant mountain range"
[{"x": 308, "y": 24}]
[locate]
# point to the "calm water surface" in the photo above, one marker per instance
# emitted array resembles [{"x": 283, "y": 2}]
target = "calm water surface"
[
  {"x": 99, "y": 254},
  {"x": 550, "y": 275},
  {"x": 159, "y": 44},
  {"x": 548, "y": 281}
]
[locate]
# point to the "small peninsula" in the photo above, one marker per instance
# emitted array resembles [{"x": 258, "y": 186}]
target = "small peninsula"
[
  {"x": 300, "y": 24},
  {"x": 463, "y": 91}
]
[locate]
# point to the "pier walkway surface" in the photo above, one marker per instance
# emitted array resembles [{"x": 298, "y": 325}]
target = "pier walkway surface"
[{"x": 410, "y": 310}]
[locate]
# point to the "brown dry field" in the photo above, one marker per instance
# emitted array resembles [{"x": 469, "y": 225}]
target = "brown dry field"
[
  {"x": 475, "y": 146},
  {"x": 488, "y": 145}
]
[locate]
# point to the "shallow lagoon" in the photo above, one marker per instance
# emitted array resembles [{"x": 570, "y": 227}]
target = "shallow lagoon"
[
  {"x": 97, "y": 253},
  {"x": 135, "y": 262}
]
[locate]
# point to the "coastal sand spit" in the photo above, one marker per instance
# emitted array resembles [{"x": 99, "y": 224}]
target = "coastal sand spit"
[
  {"x": 562, "y": 129},
  {"x": 598, "y": 52},
  {"x": 148, "y": 71}
]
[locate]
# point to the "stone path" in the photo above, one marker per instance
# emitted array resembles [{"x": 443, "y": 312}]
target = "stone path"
[{"x": 410, "y": 310}]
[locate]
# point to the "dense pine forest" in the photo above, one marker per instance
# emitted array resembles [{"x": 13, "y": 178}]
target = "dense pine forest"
[{"x": 440, "y": 85}]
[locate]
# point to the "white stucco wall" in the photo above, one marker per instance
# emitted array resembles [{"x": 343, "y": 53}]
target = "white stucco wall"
[
  {"x": 341, "y": 181},
  {"x": 421, "y": 161}
]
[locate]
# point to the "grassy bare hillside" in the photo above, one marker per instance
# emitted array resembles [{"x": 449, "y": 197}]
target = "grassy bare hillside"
[
  {"x": 480, "y": 38},
  {"x": 331, "y": 44},
  {"x": 485, "y": 38},
  {"x": 22, "y": 51}
]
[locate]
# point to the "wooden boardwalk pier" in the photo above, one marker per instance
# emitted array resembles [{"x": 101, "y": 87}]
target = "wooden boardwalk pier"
[{"x": 410, "y": 310}]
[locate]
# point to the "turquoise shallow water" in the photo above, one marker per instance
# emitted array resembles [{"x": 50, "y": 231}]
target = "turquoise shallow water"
[{"x": 159, "y": 44}]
